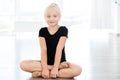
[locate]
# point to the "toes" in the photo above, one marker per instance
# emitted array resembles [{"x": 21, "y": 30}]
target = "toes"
[
  {"x": 36, "y": 74},
  {"x": 64, "y": 65}
]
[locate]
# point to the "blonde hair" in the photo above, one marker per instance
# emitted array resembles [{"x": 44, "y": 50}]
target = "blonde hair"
[{"x": 54, "y": 5}]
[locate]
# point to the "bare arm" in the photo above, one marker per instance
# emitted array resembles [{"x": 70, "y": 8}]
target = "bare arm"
[
  {"x": 43, "y": 52},
  {"x": 54, "y": 71},
  {"x": 45, "y": 71},
  {"x": 59, "y": 48}
]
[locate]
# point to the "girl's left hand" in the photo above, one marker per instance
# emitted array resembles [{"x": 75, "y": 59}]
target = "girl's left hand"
[{"x": 54, "y": 73}]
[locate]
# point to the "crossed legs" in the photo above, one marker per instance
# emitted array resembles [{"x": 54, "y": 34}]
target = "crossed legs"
[{"x": 66, "y": 70}]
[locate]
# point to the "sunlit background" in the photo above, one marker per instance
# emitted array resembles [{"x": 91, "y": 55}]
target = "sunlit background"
[{"x": 93, "y": 41}]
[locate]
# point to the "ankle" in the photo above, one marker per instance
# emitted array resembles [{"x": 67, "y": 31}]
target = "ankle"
[
  {"x": 36, "y": 74},
  {"x": 64, "y": 65}
]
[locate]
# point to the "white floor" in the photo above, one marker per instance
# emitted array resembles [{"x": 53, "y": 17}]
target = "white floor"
[{"x": 96, "y": 51}]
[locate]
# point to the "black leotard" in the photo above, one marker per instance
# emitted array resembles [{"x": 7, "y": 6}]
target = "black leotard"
[{"x": 52, "y": 41}]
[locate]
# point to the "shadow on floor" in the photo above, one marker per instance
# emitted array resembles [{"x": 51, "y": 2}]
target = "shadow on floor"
[{"x": 48, "y": 79}]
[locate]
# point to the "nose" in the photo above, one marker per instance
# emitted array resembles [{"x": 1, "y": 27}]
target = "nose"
[{"x": 51, "y": 18}]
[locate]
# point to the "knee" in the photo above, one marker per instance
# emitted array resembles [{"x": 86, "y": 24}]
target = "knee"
[
  {"x": 77, "y": 71},
  {"x": 23, "y": 65}
]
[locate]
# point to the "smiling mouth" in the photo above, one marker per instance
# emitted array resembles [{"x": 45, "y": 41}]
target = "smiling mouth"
[{"x": 52, "y": 22}]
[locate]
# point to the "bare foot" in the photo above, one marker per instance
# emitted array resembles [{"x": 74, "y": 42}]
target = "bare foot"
[
  {"x": 64, "y": 65},
  {"x": 36, "y": 74}
]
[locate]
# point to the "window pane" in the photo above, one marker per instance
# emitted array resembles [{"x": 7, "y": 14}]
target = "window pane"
[
  {"x": 33, "y": 6},
  {"x": 77, "y": 10},
  {"x": 6, "y": 23},
  {"x": 32, "y": 10},
  {"x": 7, "y": 7}
]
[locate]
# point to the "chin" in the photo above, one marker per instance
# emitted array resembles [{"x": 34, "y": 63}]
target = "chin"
[{"x": 53, "y": 25}]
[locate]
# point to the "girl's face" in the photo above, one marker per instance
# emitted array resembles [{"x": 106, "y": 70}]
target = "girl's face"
[{"x": 52, "y": 16}]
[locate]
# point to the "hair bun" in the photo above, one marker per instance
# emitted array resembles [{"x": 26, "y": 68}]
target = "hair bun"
[{"x": 53, "y": 4}]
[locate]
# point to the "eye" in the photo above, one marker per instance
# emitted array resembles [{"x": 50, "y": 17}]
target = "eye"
[
  {"x": 55, "y": 16},
  {"x": 48, "y": 16}
]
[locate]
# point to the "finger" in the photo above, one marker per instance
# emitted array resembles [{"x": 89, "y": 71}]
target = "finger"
[
  {"x": 46, "y": 76},
  {"x": 57, "y": 75},
  {"x": 53, "y": 76}
]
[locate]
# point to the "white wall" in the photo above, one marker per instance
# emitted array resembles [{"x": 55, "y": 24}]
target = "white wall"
[
  {"x": 118, "y": 19},
  {"x": 102, "y": 14},
  {"x": 116, "y": 14},
  {"x": 27, "y": 15}
]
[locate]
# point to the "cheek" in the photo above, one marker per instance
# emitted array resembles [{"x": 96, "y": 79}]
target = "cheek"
[
  {"x": 46, "y": 19},
  {"x": 57, "y": 19}
]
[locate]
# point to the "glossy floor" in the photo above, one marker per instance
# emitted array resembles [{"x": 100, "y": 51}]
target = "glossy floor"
[{"x": 96, "y": 51}]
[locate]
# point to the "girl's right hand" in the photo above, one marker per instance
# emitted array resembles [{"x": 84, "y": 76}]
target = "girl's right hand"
[{"x": 45, "y": 73}]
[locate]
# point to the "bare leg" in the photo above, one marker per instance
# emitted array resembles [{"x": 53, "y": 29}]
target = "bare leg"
[
  {"x": 31, "y": 65},
  {"x": 64, "y": 65},
  {"x": 72, "y": 71},
  {"x": 66, "y": 70}
]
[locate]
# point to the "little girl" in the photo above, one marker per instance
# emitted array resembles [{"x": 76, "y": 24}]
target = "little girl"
[{"x": 52, "y": 40}]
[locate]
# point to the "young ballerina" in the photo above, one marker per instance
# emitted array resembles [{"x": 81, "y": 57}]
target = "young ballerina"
[{"x": 52, "y": 40}]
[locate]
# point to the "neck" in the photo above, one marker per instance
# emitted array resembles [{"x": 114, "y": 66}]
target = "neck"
[{"x": 54, "y": 27}]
